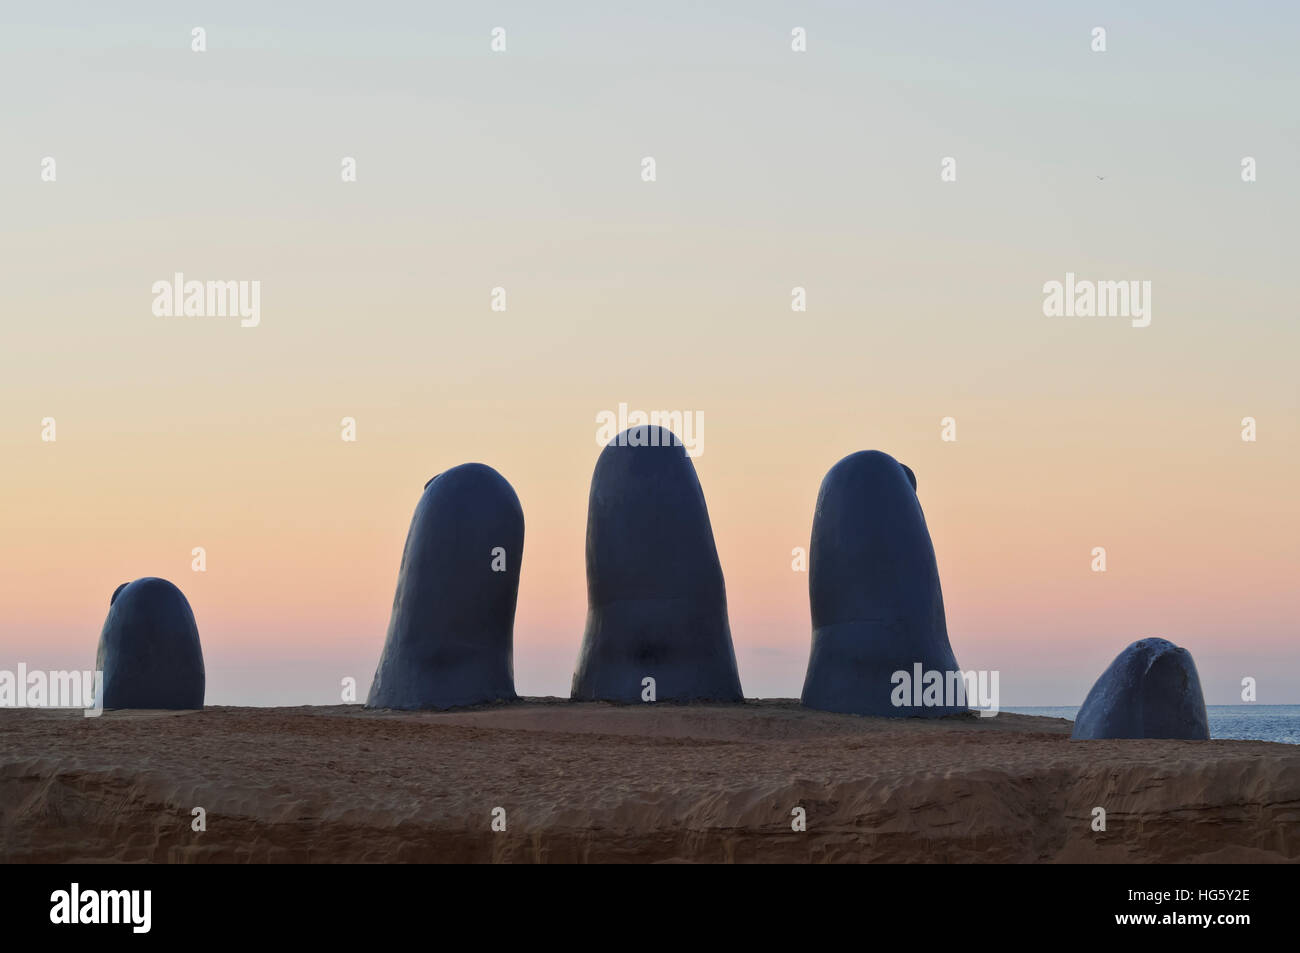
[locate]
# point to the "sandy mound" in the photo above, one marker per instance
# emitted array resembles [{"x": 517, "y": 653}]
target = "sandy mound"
[{"x": 596, "y": 782}]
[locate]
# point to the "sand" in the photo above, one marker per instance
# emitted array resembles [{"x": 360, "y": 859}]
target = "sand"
[{"x": 597, "y": 782}]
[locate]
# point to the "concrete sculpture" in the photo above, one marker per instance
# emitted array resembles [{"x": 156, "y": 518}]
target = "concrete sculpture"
[
  {"x": 873, "y": 587},
  {"x": 657, "y": 603},
  {"x": 1151, "y": 690},
  {"x": 450, "y": 637},
  {"x": 149, "y": 648}
]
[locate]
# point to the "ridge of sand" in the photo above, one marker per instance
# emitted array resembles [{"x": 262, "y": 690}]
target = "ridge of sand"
[{"x": 595, "y": 782}]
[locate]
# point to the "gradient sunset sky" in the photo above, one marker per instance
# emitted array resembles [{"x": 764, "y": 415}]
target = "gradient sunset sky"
[{"x": 775, "y": 169}]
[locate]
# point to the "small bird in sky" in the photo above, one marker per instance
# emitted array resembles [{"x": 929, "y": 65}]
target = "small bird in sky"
[{"x": 1101, "y": 178}]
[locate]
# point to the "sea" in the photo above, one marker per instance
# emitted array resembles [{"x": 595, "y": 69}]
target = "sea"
[{"x": 1241, "y": 722}]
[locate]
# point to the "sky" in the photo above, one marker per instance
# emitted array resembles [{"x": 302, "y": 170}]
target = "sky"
[{"x": 774, "y": 169}]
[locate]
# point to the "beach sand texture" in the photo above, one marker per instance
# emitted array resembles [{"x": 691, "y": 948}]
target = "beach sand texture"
[{"x": 639, "y": 783}]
